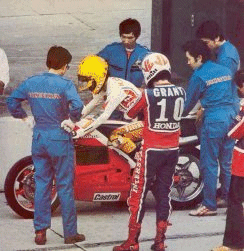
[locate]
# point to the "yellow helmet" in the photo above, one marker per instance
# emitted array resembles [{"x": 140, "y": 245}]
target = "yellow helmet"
[{"x": 92, "y": 72}]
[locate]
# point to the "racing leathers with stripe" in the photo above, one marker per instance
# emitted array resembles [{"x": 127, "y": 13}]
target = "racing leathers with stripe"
[
  {"x": 211, "y": 83},
  {"x": 118, "y": 94},
  {"x": 237, "y": 132},
  {"x": 162, "y": 107},
  {"x": 234, "y": 229},
  {"x": 52, "y": 99}
]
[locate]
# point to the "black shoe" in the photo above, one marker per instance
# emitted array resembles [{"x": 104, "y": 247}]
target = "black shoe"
[
  {"x": 74, "y": 239},
  {"x": 40, "y": 238}
]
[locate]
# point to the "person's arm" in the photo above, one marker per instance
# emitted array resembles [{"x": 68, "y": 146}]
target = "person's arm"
[
  {"x": 96, "y": 101},
  {"x": 75, "y": 103},
  {"x": 133, "y": 112},
  {"x": 237, "y": 127},
  {"x": 193, "y": 94},
  {"x": 228, "y": 62},
  {"x": 112, "y": 104},
  {"x": 4, "y": 69},
  {"x": 14, "y": 102}
]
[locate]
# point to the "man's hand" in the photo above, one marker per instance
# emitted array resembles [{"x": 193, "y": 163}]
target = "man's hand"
[
  {"x": 68, "y": 125},
  {"x": 199, "y": 115},
  {"x": 29, "y": 121}
]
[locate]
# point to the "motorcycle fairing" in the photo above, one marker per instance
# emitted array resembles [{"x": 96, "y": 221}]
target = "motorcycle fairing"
[{"x": 100, "y": 169}]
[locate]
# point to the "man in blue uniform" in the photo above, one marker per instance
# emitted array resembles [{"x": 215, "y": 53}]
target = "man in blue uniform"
[
  {"x": 124, "y": 58},
  {"x": 211, "y": 83},
  {"x": 52, "y": 99},
  {"x": 227, "y": 55}
]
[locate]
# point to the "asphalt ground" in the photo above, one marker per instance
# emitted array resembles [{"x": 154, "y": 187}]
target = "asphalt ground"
[
  {"x": 28, "y": 29},
  {"x": 105, "y": 225}
]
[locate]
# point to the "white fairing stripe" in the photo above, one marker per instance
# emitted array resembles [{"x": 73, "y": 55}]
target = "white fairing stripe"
[
  {"x": 163, "y": 149},
  {"x": 239, "y": 149},
  {"x": 235, "y": 127},
  {"x": 131, "y": 162},
  {"x": 98, "y": 136}
]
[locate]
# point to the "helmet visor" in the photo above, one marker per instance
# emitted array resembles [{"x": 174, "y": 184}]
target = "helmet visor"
[{"x": 84, "y": 82}]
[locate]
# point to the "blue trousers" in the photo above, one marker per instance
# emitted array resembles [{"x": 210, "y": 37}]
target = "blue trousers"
[
  {"x": 216, "y": 150},
  {"x": 53, "y": 158},
  {"x": 154, "y": 170}
]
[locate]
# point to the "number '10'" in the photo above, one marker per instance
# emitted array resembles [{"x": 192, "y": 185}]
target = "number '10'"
[{"x": 178, "y": 109}]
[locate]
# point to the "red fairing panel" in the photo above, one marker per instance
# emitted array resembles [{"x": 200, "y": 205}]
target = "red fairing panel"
[
  {"x": 237, "y": 168},
  {"x": 237, "y": 128},
  {"x": 111, "y": 177}
]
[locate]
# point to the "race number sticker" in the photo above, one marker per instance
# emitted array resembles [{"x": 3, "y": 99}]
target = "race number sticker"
[{"x": 129, "y": 100}]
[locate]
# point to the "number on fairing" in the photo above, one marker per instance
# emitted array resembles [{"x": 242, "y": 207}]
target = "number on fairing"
[{"x": 178, "y": 109}]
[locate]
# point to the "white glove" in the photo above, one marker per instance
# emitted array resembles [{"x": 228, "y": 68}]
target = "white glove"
[
  {"x": 68, "y": 125},
  {"x": 29, "y": 121}
]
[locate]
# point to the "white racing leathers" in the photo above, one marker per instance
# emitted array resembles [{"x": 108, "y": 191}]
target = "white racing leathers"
[{"x": 119, "y": 94}]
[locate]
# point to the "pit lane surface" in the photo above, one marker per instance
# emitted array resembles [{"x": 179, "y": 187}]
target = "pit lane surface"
[{"x": 106, "y": 226}]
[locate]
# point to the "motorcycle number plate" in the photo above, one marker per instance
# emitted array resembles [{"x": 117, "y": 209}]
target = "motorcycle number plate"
[{"x": 106, "y": 196}]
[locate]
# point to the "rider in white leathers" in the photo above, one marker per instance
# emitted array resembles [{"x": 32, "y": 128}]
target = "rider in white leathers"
[{"x": 114, "y": 93}]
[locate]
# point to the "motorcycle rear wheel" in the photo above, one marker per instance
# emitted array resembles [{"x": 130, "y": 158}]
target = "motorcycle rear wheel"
[
  {"x": 186, "y": 191},
  {"x": 19, "y": 188}
]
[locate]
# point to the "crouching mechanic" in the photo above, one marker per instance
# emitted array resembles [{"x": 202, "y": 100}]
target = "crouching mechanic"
[
  {"x": 162, "y": 104},
  {"x": 52, "y": 99},
  {"x": 234, "y": 229},
  {"x": 113, "y": 92}
]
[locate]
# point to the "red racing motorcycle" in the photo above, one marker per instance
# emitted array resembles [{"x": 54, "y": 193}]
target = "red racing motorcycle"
[{"x": 103, "y": 172}]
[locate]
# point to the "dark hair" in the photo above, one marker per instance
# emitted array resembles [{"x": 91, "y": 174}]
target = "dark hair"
[
  {"x": 196, "y": 48},
  {"x": 239, "y": 78},
  {"x": 162, "y": 75},
  {"x": 130, "y": 25},
  {"x": 57, "y": 57},
  {"x": 211, "y": 30}
]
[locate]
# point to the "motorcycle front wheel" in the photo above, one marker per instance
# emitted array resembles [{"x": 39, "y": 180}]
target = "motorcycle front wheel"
[
  {"x": 186, "y": 191},
  {"x": 19, "y": 188}
]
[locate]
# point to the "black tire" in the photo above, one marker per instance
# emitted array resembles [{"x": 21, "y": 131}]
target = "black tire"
[
  {"x": 187, "y": 191},
  {"x": 19, "y": 188}
]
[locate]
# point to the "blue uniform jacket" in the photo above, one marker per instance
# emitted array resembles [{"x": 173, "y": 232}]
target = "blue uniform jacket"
[
  {"x": 122, "y": 67},
  {"x": 227, "y": 55},
  {"x": 211, "y": 84},
  {"x": 52, "y": 99}
]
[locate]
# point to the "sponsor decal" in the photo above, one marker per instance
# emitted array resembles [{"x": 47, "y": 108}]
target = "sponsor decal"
[
  {"x": 129, "y": 100},
  {"x": 167, "y": 126},
  {"x": 148, "y": 66},
  {"x": 137, "y": 172},
  {"x": 218, "y": 80},
  {"x": 44, "y": 95},
  {"x": 152, "y": 73},
  {"x": 106, "y": 196}
]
